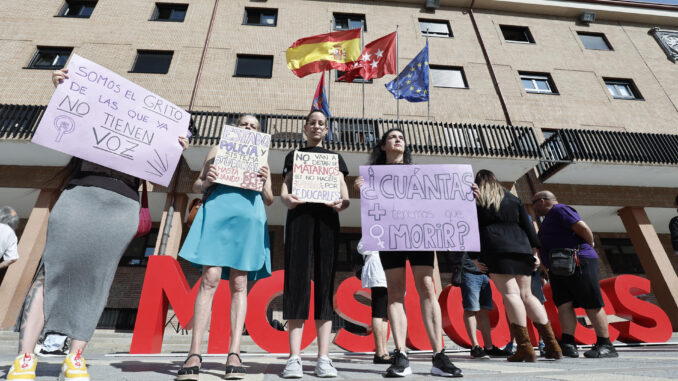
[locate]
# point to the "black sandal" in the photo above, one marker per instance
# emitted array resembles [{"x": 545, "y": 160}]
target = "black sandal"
[
  {"x": 235, "y": 372},
  {"x": 192, "y": 373}
]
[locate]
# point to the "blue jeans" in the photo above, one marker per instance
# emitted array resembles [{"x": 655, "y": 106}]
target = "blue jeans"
[{"x": 476, "y": 292}]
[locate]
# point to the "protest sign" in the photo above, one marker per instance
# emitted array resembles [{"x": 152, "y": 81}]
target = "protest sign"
[
  {"x": 101, "y": 117},
  {"x": 316, "y": 177},
  {"x": 418, "y": 207},
  {"x": 241, "y": 154}
]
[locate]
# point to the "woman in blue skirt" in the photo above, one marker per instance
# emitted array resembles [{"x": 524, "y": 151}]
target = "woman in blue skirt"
[{"x": 229, "y": 239}]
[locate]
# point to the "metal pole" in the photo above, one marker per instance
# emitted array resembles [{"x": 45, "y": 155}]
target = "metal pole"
[
  {"x": 329, "y": 81},
  {"x": 397, "y": 80},
  {"x": 362, "y": 48},
  {"x": 428, "y": 102}
]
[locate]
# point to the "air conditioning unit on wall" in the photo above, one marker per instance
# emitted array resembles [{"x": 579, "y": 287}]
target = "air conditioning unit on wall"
[
  {"x": 432, "y": 4},
  {"x": 587, "y": 17}
]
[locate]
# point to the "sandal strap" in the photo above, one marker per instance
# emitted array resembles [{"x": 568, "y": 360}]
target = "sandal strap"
[
  {"x": 236, "y": 355},
  {"x": 192, "y": 355}
]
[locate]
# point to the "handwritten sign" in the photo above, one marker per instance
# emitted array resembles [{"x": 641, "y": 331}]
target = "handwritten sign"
[
  {"x": 241, "y": 154},
  {"x": 316, "y": 177},
  {"x": 101, "y": 117},
  {"x": 418, "y": 207}
]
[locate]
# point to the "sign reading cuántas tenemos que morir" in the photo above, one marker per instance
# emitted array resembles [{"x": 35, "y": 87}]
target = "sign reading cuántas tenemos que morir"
[
  {"x": 418, "y": 208},
  {"x": 99, "y": 116}
]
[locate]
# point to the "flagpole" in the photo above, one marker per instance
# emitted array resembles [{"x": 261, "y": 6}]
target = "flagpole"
[
  {"x": 397, "y": 80},
  {"x": 362, "y": 48},
  {"x": 329, "y": 82},
  {"x": 428, "y": 101}
]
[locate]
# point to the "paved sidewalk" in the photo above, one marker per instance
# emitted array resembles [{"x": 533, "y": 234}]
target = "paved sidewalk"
[{"x": 635, "y": 363}]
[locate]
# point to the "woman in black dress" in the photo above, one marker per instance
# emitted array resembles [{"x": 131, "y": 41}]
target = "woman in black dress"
[{"x": 509, "y": 253}]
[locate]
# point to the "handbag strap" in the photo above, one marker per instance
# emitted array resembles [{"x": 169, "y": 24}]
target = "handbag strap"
[
  {"x": 144, "y": 195},
  {"x": 207, "y": 194},
  {"x": 576, "y": 255}
]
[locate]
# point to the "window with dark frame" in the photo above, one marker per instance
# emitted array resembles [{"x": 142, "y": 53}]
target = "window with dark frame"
[
  {"x": 621, "y": 88},
  {"x": 517, "y": 34},
  {"x": 435, "y": 28},
  {"x": 152, "y": 62},
  {"x": 358, "y": 79},
  {"x": 261, "y": 16},
  {"x": 169, "y": 12},
  {"x": 253, "y": 66},
  {"x": 621, "y": 256},
  {"x": 594, "y": 41},
  {"x": 50, "y": 58},
  {"x": 346, "y": 21},
  {"x": 539, "y": 83},
  {"x": 447, "y": 76},
  {"x": 77, "y": 9}
]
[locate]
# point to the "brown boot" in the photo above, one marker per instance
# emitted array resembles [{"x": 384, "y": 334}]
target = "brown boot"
[
  {"x": 552, "y": 348},
  {"x": 524, "y": 350}
]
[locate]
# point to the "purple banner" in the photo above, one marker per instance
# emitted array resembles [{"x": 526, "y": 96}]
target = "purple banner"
[
  {"x": 100, "y": 116},
  {"x": 418, "y": 208}
]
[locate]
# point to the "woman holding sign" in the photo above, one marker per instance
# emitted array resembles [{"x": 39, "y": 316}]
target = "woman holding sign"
[
  {"x": 229, "y": 239},
  {"x": 311, "y": 235},
  {"x": 89, "y": 229},
  {"x": 509, "y": 253},
  {"x": 392, "y": 149}
]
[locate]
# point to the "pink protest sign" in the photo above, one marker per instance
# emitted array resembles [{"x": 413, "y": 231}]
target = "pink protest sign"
[
  {"x": 100, "y": 116},
  {"x": 418, "y": 208},
  {"x": 241, "y": 154}
]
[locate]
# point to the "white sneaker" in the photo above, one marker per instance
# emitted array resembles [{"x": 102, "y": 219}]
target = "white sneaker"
[
  {"x": 293, "y": 368},
  {"x": 324, "y": 368}
]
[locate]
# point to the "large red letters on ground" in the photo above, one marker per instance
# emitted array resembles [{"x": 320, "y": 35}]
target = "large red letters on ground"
[{"x": 165, "y": 284}]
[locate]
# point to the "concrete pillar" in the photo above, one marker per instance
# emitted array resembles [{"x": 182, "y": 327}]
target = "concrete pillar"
[
  {"x": 653, "y": 257},
  {"x": 18, "y": 278},
  {"x": 177, "y": 229}
]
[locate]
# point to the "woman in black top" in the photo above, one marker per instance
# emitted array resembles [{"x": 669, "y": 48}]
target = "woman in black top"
[
  {"x": 509, "y": 253},
  {"x": 311, "y": 235}
]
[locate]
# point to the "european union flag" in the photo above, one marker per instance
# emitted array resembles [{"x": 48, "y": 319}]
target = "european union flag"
[{"x": 412, "y": 83}]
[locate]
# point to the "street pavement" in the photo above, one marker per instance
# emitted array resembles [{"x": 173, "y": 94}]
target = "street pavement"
[{"x": 105, "y": 362}]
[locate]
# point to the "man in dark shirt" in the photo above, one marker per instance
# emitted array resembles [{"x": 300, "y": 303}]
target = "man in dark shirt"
[
  {"x": 562, "y": 227},
  {"x": 673, "y": 229}
]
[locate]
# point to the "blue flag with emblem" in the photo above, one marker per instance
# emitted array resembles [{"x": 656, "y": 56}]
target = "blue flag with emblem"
[{"x": 412, "y": 83}]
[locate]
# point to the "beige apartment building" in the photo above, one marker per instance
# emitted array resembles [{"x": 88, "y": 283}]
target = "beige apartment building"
[{"x": 579, "y": 97}]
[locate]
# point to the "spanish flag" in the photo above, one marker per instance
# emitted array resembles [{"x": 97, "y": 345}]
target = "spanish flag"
[{"x": 323, "y": 52}]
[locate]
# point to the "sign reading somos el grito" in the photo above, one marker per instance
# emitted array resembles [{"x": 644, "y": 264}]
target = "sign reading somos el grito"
[
  {"x": 316, "y": 177},
  {"x": 241, "y": 154},
  {"x": 418, "y": 207},
  {"x": 101, "y": 117}
]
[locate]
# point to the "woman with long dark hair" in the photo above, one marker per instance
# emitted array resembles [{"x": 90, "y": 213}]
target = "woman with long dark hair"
[
  {"x": 311, "y": 236},
  {"x": 509, "y": 252},
  {"x": 89, "y": 229},
  {"x": 392, "y": 149},
  {"x": 229, "y": 240}
]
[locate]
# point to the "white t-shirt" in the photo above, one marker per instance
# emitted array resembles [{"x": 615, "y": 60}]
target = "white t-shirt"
[{"x": 8, "y": 242}]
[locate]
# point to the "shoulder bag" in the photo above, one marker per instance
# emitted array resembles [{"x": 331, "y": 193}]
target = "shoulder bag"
[
  {"x": 564, "y": 261},
  {"x": 145, "y": 222},
  {"x": 195, "y": 206}
]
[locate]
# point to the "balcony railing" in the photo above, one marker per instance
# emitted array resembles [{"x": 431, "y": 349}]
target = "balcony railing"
[
  {"x": 347, "y": 134},
  {"x": 566, "y": 146}
]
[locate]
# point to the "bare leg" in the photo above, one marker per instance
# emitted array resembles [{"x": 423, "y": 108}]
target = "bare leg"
[
  {"x": 598, "y": 318},
  {"x": 238, "y": 286},
  {"x": 471, "y": 326},
  {"x": 430, "y": 308},
  {"x": 508, "y": 287},
  {"x": 380, "y": 331},
  {"x": 211, "y": 276},
  {"x": 483, "y": 317},
  {"x": 296, "y": 327},
  {"x": 568, "y": 320},
  {"x": 33, "y": 319},
  {"x": 324, "y": 331},
  {"x": 535, "y": 310},
  {"x": 77, "y": 345},
  {"x": 395, "y": 278}
]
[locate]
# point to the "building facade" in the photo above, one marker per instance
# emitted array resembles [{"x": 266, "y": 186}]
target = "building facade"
[{"x": 578, "y": 97}]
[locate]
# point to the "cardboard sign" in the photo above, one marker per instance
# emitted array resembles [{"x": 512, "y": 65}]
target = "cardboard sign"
[
  {"x": 101, "y": 117},
  {"x": 241, "y": 154},
  {"x": 418, "y": 208},
  {"x": 316, "y": 177}
]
